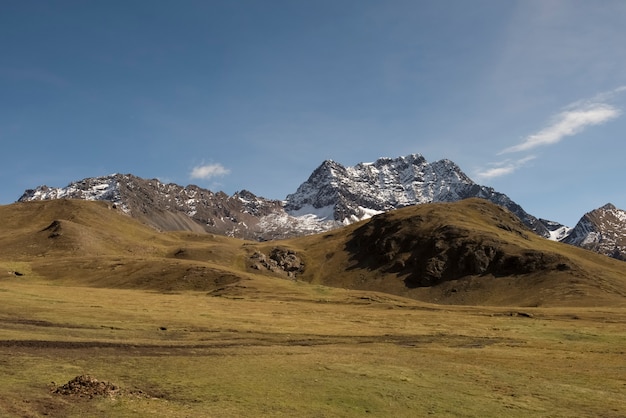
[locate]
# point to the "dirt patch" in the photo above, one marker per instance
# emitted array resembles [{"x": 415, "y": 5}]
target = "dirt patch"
[{"x": 85, "y": 386}]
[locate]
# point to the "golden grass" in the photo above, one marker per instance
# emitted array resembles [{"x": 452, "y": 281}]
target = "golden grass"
[
  {"x": 284, "y": 348},
  {"x": 93, "y": 244}
]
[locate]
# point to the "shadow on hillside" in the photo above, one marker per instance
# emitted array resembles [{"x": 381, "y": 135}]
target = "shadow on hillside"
[{"x": 446, "y": 253}]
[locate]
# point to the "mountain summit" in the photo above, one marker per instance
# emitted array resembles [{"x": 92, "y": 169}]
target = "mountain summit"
[{"x": 349, "y": 194}]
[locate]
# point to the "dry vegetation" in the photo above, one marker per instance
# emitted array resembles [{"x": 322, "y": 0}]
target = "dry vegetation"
[{"x": 178, "y": 324}]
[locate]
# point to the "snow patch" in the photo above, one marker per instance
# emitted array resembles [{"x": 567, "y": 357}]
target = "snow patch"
[
  {"x": 324, "y": 213},
  {"x": 559, "y": 233}
]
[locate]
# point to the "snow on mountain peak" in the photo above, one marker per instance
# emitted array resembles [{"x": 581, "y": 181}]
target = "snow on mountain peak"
[
  {"x": 98, "y": 188},
  {"x": 357, "y": 192},
  {"x": 332, "y": 196}
]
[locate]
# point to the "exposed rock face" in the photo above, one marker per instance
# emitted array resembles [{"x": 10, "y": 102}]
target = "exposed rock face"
[
  {"x": 602, "y": 230},
  {"x": 349, "y": 194},
  {"x": 279, "y": 260},
  {"x": 429, "y": 254}
]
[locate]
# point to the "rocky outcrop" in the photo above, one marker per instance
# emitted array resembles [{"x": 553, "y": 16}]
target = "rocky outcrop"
[
  {"x": 279, "y": 260},
  {"x": 429, "y": 254}
]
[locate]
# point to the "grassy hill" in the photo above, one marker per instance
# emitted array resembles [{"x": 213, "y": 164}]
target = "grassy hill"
[
  {"x": 469, "y": 252},
  {"x": 90, "y": 243}
]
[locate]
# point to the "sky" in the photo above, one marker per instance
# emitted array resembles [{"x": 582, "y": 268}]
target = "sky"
[{"x": 527, "y": 96}]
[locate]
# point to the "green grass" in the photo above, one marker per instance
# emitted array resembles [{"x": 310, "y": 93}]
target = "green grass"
[{"x": 354, "y": 354}]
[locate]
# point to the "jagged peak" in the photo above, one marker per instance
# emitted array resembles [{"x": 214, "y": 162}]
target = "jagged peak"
[
  {"x": 608, "y": 206},
  {"x": 246, "y": 195},
  {"x": 328, "y": 168},
  {"x": 414, "y": 159},
  {"x": 331, "y": 164},
  {"x": 450, "y": 165}
]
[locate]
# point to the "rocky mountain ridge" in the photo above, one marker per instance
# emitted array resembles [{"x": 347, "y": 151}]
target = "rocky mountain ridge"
[
  {"x": 350, "y": 194},
  {"x": 333, "y": 196},
  {"x": 167, "y": 206},
  {"x": 602, "y": 230}
]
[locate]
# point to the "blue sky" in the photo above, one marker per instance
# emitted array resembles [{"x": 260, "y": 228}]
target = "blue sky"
[{"x": 525, "y": 96}]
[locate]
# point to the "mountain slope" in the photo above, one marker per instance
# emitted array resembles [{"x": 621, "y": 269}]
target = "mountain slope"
[
  {"x": 93, "y": 243},
  {"x": 602, "y": 230},
  {"x": 333, "y": 195},
  {"x": 169, "y": 206}
]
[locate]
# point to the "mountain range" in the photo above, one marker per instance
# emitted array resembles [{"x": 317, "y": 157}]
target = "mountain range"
[{"x": 333, "y": 196}]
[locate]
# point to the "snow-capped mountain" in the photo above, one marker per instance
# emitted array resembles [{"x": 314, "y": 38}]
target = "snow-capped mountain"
[
  {"x": 170, "y": 206},
  {"x": 333, "y": 195},
  {"x": 602, "y": 230},
  {"x": 349, "y": 194}
]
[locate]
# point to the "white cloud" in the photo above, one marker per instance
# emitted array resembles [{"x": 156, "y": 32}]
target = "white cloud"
[
  {"x": 570, "y": 122},
  {"x": 603, "y": 97},
  {"x": 208, "y": 171},
  {"x": 503, "y": 168}
]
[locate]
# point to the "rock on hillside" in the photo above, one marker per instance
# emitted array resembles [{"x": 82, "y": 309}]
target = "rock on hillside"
[
  {"x": 466, "y": 252},
  {"x": 602, "y": 230}
]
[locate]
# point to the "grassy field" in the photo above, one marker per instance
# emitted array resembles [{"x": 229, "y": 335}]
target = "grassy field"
[
  {"x": 183, "y": 326},
  {"x": 283, "y": 348}
]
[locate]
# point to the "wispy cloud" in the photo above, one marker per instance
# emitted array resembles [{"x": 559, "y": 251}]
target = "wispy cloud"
[
  {"x": 603, "y": 97},
  {"x": 503, "y": 168},
  {"x": 208, "y": 171},
  {"x": 571, "y": 121}
]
